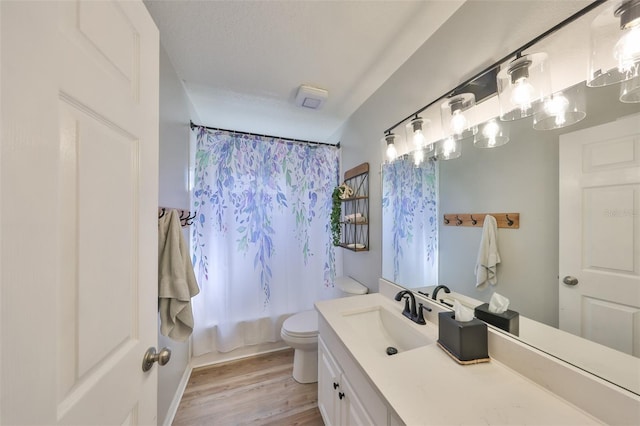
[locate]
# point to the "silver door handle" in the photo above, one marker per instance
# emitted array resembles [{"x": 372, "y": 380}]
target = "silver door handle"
[
  {"x": 569, "y": 280},
  {"x": 151, "y": 356}
]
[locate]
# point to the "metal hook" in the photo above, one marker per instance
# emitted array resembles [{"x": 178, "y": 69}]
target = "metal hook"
[
  {"x": 446, "y": 220},
  {"x": 509, "y": 221},
  {"x": 473, "y": 221},
  {"x": 458, "y": 221},
  {"x": 189, "y": 219},
  {"x": 162, "y": 214}
]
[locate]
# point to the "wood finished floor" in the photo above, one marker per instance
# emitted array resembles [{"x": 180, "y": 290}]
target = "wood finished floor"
[{"x": 254, "y": 391}]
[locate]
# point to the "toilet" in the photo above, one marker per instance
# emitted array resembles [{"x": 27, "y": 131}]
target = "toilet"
[{"x": 300, "y": 331}]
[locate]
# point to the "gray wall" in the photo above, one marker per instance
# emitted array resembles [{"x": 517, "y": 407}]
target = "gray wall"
[
  {"x": 522, "y": 177},
  {"x": 175, "y": 112},
  {"x": 437, "y": 67}
]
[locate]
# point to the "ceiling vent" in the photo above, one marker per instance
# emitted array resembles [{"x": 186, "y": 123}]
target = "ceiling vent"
[{"x": 311, "y": 97}]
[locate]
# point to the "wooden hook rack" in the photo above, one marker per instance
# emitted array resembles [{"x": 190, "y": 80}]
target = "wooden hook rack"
[{"x": 504, "y": 220}]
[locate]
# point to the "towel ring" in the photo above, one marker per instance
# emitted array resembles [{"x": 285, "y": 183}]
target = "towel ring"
[
  {"x": 473, "y": 221},
  {"x": 509, "y": 221},
  {"x": 458, "y": 221}
]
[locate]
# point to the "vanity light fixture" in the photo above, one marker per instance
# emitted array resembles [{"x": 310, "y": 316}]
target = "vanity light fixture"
[
  {"x": 561, "y": 110},
  {"x": 492, "y": 134},
  {"x": 456, "y": 116},
  {"x": 448, "y": 149},
  {"x": 615, "y": 44},
  {"x": 416, "y": 129},
  {"x": 524, "y": 83},
  {"x": 391, "y": 152},
  {"x": 521, "y": 83}
]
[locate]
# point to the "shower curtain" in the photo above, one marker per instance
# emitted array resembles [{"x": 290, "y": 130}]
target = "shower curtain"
[
  {"x": 262, "y": 246},
  {"x": 410, "y": 222}
]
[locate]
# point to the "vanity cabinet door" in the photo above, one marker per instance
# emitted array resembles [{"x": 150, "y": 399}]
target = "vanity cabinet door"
[
  {"x": 328, "y": 386},
  {"x": 337, "y": 399},
  {"x": 352, "y": 411}
]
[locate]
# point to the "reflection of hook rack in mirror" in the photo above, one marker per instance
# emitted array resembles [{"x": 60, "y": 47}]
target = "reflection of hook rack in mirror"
[{"x": 504, "y": 220}]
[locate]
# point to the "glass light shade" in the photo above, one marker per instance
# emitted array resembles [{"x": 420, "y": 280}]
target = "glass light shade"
[
  {"x": 418, "y": 157},
  {"x": 390, "y": 148},
  {"x": 615, "y": 44},
  {"x": 448, "y": 149},
  {"x": 522, "y": 83},
  {"x": 457, "y": 116},
  {"x": 561, "y": 109},
  {"x": 417, "y": 130},
  {"x": 492, "y": 134},
  {"x": 630, "y": 91}
]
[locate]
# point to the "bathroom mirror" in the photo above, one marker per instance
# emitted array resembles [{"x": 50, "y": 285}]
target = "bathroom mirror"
[{"x": 521, "y": 176}]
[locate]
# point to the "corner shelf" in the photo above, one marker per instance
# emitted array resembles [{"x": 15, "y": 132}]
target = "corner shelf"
[{"x": 355, "y": 235}]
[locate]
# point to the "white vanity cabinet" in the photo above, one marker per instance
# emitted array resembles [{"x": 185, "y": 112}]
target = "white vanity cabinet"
[{"x": 338, "y": 401}]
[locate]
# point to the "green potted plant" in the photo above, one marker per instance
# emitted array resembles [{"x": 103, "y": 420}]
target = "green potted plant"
[{"x": 340, "y": 192}]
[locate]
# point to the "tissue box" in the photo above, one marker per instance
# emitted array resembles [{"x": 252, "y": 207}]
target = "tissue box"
[
  {"x": 508, "y": 320},
  {"x": 466, "y": 341}
]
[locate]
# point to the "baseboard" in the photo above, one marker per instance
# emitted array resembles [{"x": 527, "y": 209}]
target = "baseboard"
[
  {"x": 244, "y": 352},
  {"x": 175, "y": 402}
]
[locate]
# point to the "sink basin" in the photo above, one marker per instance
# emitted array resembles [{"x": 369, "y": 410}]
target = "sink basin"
[{"x": 382, "y": 329}]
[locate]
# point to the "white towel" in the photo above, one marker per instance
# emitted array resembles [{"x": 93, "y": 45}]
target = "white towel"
[
  {"x": 488, "y": 256},
  {"x": 176, "y": 279}
]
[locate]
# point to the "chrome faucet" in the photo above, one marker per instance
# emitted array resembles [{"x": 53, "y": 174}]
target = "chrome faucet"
[
  {"x": 410, "y": 311},
  {"x": 437, "y": 289}
]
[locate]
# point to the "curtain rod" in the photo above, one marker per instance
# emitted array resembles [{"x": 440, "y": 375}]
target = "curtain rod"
[
  {"x": 516, "y": 52},
  {"x": 192, "y": 125}
]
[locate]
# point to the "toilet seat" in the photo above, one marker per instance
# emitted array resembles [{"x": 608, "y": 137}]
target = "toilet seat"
[{"x": 302, "y": 325}]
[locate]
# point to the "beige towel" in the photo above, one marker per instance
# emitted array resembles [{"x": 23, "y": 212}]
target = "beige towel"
[{"x": 176, "y": 280}]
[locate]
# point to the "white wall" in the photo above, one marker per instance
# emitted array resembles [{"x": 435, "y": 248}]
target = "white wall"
[{"x": 173, "y": 191}]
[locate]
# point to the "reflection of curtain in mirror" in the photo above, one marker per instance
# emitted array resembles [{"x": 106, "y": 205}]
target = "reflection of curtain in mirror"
[
  {"x": 261, "y": 240},
  {"x": 410, "y": 222}
]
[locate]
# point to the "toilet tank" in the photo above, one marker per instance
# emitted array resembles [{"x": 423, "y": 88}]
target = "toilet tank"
[{"x": 350, "y": 287}]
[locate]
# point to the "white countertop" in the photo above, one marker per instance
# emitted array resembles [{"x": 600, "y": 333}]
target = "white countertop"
[{"x": 426, "y": 386}]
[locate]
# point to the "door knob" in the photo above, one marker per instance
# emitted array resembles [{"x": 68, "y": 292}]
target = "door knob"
[
  {"x": 151, "y": 356},
  {"x": 569, "y": 280}
]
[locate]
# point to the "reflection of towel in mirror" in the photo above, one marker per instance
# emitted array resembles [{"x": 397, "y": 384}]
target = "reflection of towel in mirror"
[
  {"x": 488, "y": 256},
  {"x": 176, "y": 279}
]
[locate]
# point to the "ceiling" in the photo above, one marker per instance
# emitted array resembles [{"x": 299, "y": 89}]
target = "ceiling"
[{"x": 241, "y": 62}]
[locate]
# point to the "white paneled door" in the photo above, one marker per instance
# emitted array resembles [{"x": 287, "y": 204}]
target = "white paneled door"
[
  {"x": 79, "y": 167},
  {"x": 600, "y": 234}
]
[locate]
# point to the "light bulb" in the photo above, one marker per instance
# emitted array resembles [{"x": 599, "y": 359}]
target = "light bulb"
[
  {"x": 522, "y": 94},
  {"x": 418, "y": 157},
  {"x": 418, "y": 139},
  {"x": 557, "y": 107},
  {"x": 490, "y": 131},
  {"x": 458, "y": 122},
  {"x": 391, "y": 152},
  {"x": 627, "y": 50},
  {"x": 448, "y": 147}
]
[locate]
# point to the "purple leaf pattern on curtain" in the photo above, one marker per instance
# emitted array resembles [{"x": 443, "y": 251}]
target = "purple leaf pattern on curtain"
[
  {"x": 253, "y": 177},
  {"x": 410, "y": 199}
]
